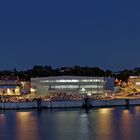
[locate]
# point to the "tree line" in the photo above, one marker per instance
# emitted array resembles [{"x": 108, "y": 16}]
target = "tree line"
[{"x": 44, "y": 71}]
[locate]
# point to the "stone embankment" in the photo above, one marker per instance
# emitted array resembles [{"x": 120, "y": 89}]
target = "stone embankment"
[
  {"x": 85, "y": 103},
  {"x": 114, "y": 102}
]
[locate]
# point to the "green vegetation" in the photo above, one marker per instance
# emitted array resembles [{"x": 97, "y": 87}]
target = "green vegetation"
[{"x": 42, "y": 71}]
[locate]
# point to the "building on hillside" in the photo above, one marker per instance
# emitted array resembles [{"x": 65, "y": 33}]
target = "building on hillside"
[
  {"x": 71, "y": 84},
  {"x": 134, "y": 82},
  {"x": 9, "y": 85}
]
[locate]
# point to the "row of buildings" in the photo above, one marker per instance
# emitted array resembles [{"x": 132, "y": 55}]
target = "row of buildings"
[{"x": 67, "y": 84}]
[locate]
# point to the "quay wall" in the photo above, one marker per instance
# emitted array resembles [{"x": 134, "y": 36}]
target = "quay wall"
[
  {"x": 42, "y": 104},
  {"x": 18, "y": 105},
  {"x": 63, "y": 104},
  {"x": 113, "y": 102},
  {"x": 134, "y": 102},
  {"x": 107, "y": 103},
  {"x": 38, "y": 104}
]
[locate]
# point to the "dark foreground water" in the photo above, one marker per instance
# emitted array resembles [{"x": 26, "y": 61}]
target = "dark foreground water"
[{"x": 119, "y": 123}]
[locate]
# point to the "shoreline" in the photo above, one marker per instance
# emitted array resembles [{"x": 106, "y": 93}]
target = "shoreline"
[{"x": 85, "y": 104}]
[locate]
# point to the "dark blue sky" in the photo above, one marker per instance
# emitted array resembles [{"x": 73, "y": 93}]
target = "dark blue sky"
[{"x": 102, "y": 33}]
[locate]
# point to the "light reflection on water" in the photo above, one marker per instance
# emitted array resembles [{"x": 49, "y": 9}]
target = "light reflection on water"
[
  {"x": 97, "y": 124},
  {"x": 26, "y": 126}
]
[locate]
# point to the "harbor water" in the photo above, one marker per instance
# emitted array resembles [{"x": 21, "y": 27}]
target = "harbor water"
[{"x": 114, "y": 123}]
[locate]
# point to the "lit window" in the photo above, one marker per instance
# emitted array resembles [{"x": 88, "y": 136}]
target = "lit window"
[{"x": 137, "y": 83}]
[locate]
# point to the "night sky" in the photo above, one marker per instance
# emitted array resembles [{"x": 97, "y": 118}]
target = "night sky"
[{"x": 102, "y": 33}]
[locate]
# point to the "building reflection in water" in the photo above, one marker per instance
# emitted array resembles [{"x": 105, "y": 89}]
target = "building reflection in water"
[
  {"x": 121, "y": 123},
  {"x": 2, "y": 119},
  {"x": 125, "y": 123},
  {"x": 26, "y": 126},
  {"x": 105, "y": 123},
  {"x": 2, "y": 125},
  {"x": 129, "y": 122}
]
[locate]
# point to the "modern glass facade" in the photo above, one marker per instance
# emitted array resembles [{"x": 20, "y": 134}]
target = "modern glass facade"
[{"x": 75, "y": 84}]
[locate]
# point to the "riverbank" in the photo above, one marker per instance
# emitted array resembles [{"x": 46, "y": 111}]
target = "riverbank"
[{"x": 85, "y": 103}]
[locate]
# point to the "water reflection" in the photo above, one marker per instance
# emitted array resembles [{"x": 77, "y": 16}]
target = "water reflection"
[
  {"x": 97, "y": 124},
  {"x": 137, "y": 110},
  {"x": 26, "y": 126},
  {"x": 101, "y": 123},
  {"x": 2, "y": 120},
  {"x": 105, "y": 110},
  {"x": 2, "y": 126}
]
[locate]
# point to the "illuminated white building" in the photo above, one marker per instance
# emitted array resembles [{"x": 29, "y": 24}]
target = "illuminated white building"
[
  {"x": 69, "y": 84},
  {"x": 9, "y": 85},
  {"x": 135, "y": 81}
]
